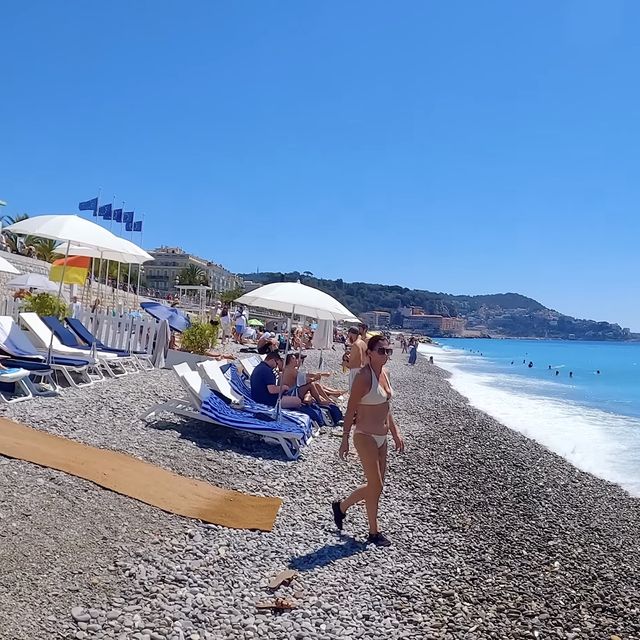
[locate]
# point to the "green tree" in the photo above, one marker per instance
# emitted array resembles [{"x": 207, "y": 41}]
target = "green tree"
[
  {"x": 46, "y": 304},
  {"x": 231, "y": 295},
  {"x": 12, "y": 238},
  {"x": 45, "y": 248},
  {"x": 192, "y": 275}
]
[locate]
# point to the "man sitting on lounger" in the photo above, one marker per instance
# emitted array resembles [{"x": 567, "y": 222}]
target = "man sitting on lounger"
[{"x": 264, "y": 385}]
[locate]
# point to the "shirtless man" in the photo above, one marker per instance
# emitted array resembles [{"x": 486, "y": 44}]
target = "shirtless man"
[{"x": 357, "y": 355}]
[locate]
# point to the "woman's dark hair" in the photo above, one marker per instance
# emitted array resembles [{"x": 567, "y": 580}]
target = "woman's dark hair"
[{"x": 374, "y": 340}]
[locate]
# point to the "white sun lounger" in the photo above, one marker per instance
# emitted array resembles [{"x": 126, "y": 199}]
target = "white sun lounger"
[
  {"x": 16, "y": 343},
  {"x": 42, "y": 337},
  {"x": 249, "y": 364},
  {"x": 217, "y": 381},
  {"x": 198, "y": 392}
]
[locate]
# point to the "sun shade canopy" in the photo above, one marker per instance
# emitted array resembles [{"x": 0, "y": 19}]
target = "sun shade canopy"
[{"x": 294, "y": 297}]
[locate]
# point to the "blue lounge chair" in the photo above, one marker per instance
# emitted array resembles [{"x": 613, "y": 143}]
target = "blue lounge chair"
[
  {"x": 115, "y": 366},
  {"x": 15, "y": 343},
  {"x": 142, "y": 357},
  {"x": 202, "y": 404},
  {"x": 314, "y": 412},
  {"x": 219, "y": 383}
]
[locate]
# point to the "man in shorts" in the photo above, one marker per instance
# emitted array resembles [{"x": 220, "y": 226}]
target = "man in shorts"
[{"x": 357, "y": 354}]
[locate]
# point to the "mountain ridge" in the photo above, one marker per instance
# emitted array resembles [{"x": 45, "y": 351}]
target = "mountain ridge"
[{"x": 508, "y": 314}]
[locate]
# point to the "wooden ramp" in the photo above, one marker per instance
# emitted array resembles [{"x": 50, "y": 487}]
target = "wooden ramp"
[{"x": 137, "y": 479}]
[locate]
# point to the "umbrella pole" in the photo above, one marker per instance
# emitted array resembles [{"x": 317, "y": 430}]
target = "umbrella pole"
[
  {"x": 106, "y": 282},
  {"x": 128, "y": 280},
  {"x": 286, "y": 353},
  {"x": 138, "y": 288},
  {"x": 118, "y": 287},
  {"x": 64, "y": 268}
]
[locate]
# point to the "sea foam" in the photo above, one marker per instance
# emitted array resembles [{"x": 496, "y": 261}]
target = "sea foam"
[{"x": 604, "y": 444}]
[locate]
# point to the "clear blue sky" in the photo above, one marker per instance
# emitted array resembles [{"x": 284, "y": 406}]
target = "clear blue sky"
[{"x": 466, "y": 147}]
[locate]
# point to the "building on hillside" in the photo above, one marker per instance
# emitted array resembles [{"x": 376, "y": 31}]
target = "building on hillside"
[
  {"x": 376, "y": 319},
  {"x": 163, "y": 272},
  {"x": 249, "y": 285},
  {"x": 414, "y": 318}
]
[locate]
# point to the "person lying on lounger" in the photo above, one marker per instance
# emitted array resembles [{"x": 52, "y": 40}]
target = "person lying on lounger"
[{"x": 267, "y": 342}]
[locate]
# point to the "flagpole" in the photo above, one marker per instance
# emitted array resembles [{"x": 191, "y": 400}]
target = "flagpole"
[
  {"x": 113, "y": 204},
  {"x": 93, "y": 260},
  {"x": 118, "y": 278}
]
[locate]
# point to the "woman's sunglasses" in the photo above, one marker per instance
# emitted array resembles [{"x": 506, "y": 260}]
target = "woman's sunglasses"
[{"x": 384, "y": 352}]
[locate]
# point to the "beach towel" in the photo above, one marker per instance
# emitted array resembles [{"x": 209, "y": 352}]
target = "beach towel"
[{"x": 140, "y": 480}]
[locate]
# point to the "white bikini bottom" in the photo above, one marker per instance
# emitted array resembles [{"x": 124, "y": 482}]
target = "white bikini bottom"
[{"x": 379, "y": 440}]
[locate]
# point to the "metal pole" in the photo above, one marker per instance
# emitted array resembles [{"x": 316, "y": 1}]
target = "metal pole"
[
  {"x": 64, "y": 268},
  {"x": 129, "y": 279},
  {"x": 286, "y": 353},
  {"x": 118, "y": 286},
  {"x": 138, "y": 289}
]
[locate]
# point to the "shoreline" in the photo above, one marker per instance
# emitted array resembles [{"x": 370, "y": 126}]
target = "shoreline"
[{"x": 494, "y": 535}]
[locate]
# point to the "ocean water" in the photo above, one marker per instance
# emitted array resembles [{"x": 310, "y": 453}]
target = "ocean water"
[{"x": 591, "y": 419}]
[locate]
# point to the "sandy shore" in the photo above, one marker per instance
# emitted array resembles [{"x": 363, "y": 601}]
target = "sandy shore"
[{"x": 494, "y": 536}]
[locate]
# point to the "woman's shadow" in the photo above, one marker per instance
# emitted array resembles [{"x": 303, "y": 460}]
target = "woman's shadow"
[{"x": 327, "y": 554}]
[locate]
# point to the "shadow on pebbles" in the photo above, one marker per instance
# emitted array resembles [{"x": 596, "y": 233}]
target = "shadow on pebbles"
[{"x": 493, "y": 536}]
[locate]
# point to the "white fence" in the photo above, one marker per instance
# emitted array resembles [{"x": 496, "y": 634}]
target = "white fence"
[
  {"x": 118, "y": 331},
  {"x": 121, "y": 331}
]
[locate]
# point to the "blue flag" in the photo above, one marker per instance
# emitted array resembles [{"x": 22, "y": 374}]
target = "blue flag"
[
  {"x": 104, "y": 211},
  {"x": 89, "y": 205},
  {"x": 128, "y": 226},
  {"x": 117, "y": 215},
  {"x": 127, "y": 216},
  {"x": 137, "y": 226}
]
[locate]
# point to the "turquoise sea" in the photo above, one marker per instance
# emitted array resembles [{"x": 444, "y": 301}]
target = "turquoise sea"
[{"x": 592, "y": 419}]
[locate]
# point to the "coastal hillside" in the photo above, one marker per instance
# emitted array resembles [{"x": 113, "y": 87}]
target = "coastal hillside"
[{"x": 502, "y": 314}]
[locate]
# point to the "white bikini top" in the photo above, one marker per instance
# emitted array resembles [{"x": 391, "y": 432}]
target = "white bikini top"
[{"x": 377, "y": 393}]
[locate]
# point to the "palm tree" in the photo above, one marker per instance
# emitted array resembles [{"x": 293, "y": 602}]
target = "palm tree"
[
  {"x": 45, "y": 248},
  {"x": 193, "y": 275},
  {"x": 12, "y": 238}
]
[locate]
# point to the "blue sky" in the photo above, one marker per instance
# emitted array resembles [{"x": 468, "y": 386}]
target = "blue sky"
[{"x": 463, "y": 147}]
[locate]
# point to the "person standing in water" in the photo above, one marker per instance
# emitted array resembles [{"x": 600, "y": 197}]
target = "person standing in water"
[{"x": 369, "y": 410}]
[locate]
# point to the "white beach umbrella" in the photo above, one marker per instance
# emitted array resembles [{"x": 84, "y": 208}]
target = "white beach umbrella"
[
  {"x": 294, "y": 297},
  {"x": 67, "y": 228},
  {"x": 126, "y": 254},
  {"x": 32, "y": 281},
  {"x": 6, "y": 266}
]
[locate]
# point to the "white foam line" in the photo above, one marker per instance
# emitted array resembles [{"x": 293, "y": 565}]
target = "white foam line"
[{"x": 603, "y": 444}]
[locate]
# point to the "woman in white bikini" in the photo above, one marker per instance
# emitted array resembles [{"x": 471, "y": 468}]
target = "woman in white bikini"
[{"x": 369, "y": 410}]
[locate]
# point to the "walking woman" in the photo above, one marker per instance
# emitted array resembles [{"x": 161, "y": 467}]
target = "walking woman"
[{"x": 369, "y": 410}]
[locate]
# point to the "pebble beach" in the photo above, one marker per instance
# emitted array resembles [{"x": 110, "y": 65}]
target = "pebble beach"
[{"x": 493, "y": 535}]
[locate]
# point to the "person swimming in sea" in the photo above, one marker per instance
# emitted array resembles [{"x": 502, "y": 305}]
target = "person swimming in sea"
[
  {"x": 557, "y": 372},
  {"x": 530, "y": 365},
  {"x": 571, "y": 374}
]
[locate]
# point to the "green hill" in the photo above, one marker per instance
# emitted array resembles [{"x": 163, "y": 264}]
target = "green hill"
[{"x": 502, "y": 314}]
